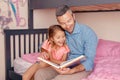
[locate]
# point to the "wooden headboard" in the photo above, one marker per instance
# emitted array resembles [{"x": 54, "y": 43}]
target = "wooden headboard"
[{"x": 18, "y": 42}]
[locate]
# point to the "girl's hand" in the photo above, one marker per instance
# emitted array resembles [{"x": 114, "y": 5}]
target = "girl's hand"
[{"x": 44, "y": 55}]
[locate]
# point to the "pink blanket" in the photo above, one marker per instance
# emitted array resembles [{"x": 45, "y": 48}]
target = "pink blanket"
[
  {"x": 106, "y": 68},
  {"x": 32, "y": 58}
]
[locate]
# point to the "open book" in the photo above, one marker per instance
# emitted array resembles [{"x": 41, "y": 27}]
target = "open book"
[{"x": 65, "y": 63}]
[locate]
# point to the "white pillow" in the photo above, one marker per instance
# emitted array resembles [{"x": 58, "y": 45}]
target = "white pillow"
[{"x": 20, "y": 65}]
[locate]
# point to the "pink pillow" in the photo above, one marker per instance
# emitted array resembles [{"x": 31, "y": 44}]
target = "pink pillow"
[
  {"x": 32, "y": 57},
  {"x": 108, "y": 48}
]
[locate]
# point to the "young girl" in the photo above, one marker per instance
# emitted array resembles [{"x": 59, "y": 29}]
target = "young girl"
[{"x": 54, "y": 46}]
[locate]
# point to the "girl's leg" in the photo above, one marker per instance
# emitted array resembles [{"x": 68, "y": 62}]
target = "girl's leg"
[{"x": 31, "y": 71}]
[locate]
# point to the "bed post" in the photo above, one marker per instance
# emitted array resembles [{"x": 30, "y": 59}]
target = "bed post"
[{"x": 7, "y": 56}]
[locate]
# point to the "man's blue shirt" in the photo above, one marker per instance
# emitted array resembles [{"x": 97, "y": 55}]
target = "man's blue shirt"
[{"x": 82, "y": 41}]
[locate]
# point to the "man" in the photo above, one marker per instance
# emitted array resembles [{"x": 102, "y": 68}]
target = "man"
[{"x": 81, "y": 40}]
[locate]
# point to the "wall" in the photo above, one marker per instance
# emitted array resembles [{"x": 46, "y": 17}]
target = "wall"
[
  {"x": 12, "y": 16},
  {"x": 46, "y": 18},
  {"x": 105, "y": 24}
]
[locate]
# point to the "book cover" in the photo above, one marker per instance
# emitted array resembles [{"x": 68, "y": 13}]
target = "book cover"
[{"x": 65, "y": 63}]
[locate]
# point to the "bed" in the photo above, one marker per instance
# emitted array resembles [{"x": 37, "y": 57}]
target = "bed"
[{"x": 18, "y": 42}]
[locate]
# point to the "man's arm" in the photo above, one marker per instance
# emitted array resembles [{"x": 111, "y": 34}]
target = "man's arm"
[{"x": 90, "y": 45}]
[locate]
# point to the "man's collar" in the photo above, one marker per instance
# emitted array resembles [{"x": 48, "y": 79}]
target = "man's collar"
[{"x": 75, "y": 30}]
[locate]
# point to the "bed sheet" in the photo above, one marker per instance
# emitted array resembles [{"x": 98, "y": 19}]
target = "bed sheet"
[{"x": 106, "y": 68}]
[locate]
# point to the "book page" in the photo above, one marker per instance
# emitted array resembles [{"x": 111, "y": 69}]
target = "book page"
[
  {"x": 64, "y": 64},
  {"x": 72, "y": 61},
  {"x": 49, "y": 62}
]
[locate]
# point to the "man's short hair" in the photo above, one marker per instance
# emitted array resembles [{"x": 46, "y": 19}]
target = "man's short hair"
[{"x": 62, "y": 10}]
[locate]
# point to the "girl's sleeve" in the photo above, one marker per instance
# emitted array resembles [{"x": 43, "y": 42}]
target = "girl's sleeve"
[
  {"x": 67, "y": 50},
  {"x": 46, "y": 45}
]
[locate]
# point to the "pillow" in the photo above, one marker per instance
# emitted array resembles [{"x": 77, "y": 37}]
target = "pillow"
[
  {"x": 108, "y": 48},
  {"x": 20, "y": 65}
]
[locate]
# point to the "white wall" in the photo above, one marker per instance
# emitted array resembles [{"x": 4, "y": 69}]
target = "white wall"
[
  {"x": 44, "y": 18},
  {"x": 2, "y": 60},
  {"x": 105, "y": 24}
]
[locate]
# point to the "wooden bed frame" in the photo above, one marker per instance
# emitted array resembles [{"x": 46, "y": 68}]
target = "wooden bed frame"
[{"x": 18, "y": 42}]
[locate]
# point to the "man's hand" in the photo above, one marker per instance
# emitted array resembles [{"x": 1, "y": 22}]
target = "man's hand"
[{"x": 65, "y": 71}]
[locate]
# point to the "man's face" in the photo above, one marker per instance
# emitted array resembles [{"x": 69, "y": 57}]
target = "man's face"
[{"x": 67, "y": 21}]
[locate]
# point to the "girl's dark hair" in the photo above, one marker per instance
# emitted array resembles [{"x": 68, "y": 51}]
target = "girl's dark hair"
[
  {"x": 53, "y": 29},
  {"x": 62, "y": 10}
]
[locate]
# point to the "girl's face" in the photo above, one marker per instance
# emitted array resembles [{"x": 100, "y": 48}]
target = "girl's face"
[{"x": 59, "y": 38}]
